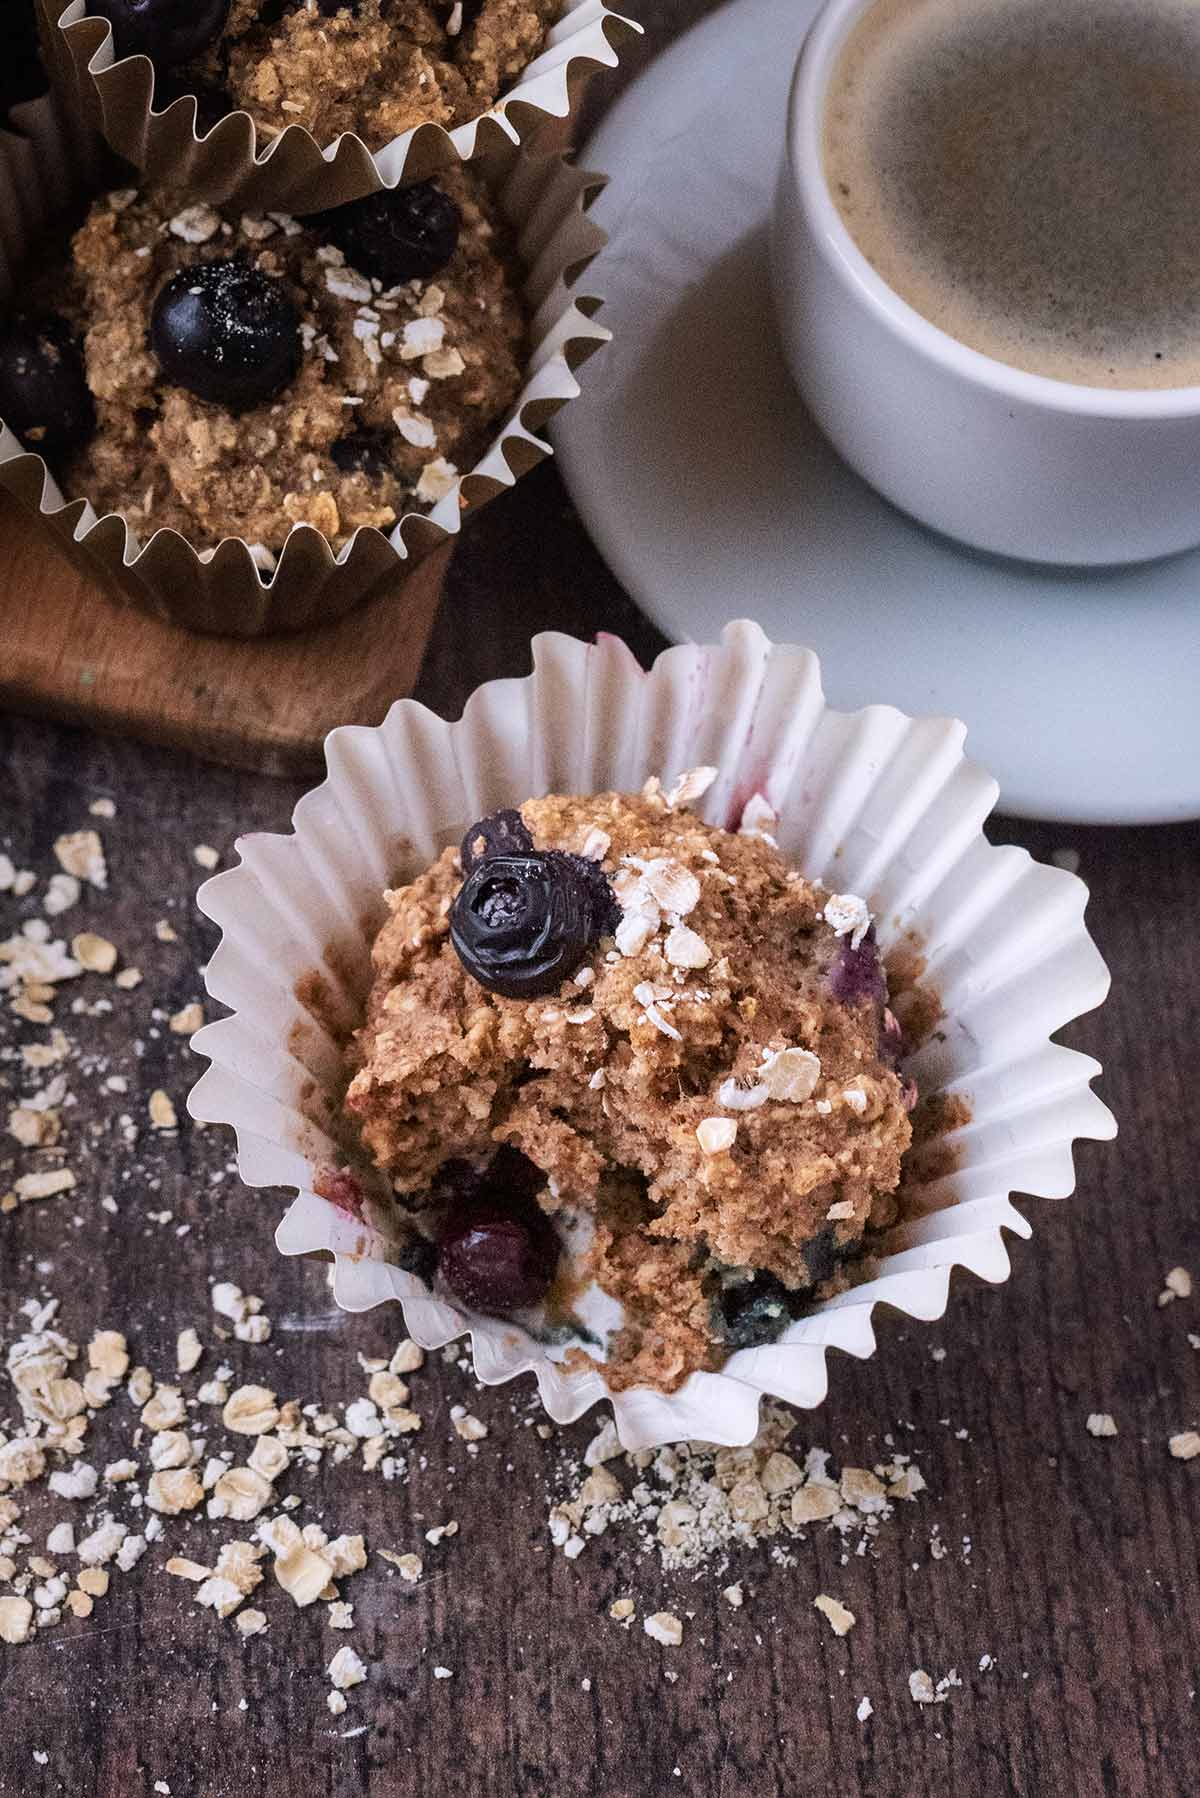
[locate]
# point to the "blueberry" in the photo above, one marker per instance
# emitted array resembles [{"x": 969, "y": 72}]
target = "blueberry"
[
  {"x": 167, "y": 31},
  {"x": 522, "y": 924},
  {"x": 227, "y": 332},
  {"x": 754, "y": 1311},
  {"x": 822, "y": 1255},
  {"x": 459, "y": 1183},
  {"x": 497, "y": 1252},
  {"x": 401, "y": 234},
  {"x": 856, "y": 973},
  {"x": 606, "y": 913},
  {"x": 44, "y": 394},
  {"x": 759, "y": 1309},
  {"x": 504, "y": 833},
  {"x": 418, "y": 1256},
  {"x": 363, "y": 451}
]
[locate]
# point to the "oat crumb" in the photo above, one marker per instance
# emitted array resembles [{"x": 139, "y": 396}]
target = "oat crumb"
[
  {"x": 469, "y": 1428},
  {"x": 81, "y": 853},
  {"x": 346, "y": 1669},
  {"x": 16, "y": 1620},
  {"x": 1177, "y": 1285},
  {"x": 716, "y": 1135},
  {"x": 162, "y": 1111},
  {"x": 187, "y": 1020},
  {"x": 408, "y": 1358},
  {"x": 841, "y": 1621},
  {"x": 62, "y": 892},
  {"x": 95, "y": 954}
]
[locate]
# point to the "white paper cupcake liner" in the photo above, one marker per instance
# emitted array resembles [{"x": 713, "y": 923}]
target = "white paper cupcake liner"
[
  {"x": 57, "y": 165},
  {"x": 234, "y": 163},
  {"x": 870, "y": 802}
]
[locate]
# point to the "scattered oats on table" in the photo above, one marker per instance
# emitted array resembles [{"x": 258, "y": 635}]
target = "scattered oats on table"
[
  {"x": 695, "y": 1504},
  {"x": 841, "y": 1621},
  {"x": 1177, "y": 1285}
]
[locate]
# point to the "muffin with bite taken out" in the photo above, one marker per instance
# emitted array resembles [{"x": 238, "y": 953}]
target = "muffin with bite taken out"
[{"x": 631, "y": 1078}]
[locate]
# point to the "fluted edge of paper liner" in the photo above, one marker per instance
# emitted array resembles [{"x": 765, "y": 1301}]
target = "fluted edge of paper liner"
[
  {"x": 54, "y": 162},
  {"x": 872, "y": 802},
  {"x": 232, "y": 163}
]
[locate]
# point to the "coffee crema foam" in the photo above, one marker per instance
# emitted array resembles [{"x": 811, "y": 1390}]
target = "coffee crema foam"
[{"x": 1026, "y": 174}]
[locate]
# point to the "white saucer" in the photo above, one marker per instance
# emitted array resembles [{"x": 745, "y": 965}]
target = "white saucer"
[{"x": 712, "y": 495}]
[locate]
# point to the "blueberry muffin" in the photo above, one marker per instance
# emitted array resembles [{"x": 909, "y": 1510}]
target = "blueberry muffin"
[
  {"x": 614, "y": 1050},
  {"x": 234, "y": 376},
  {"x": 373, "y": 67}
]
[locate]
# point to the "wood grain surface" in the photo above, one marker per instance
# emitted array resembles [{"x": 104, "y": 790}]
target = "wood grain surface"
[
  {"x": 80, "y": 655},
  {"x": 1080, "y": 1580}
]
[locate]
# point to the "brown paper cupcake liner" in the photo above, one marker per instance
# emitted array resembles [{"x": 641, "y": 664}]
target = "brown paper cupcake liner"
[
  {"x": 55, "y": 165},
  {"x": 235, "y": 163}
]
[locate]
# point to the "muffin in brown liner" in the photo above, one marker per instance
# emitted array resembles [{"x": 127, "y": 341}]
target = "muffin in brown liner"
[
  {"x": 234, "y": 161},
  {"x": 53, "y": 167}
]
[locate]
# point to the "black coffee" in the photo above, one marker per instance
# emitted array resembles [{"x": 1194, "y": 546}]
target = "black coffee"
[{"x": 1026, "y": 174}]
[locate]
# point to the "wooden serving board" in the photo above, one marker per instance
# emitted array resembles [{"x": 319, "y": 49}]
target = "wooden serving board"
[{"x": 70, "y": 651}]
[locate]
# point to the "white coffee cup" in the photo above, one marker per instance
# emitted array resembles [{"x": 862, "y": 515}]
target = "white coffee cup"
[{"x": 1010, "y": 462}]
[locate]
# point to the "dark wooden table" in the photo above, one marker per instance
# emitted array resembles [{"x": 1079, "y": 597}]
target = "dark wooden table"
[{"x": 1080, "y": 1581}]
